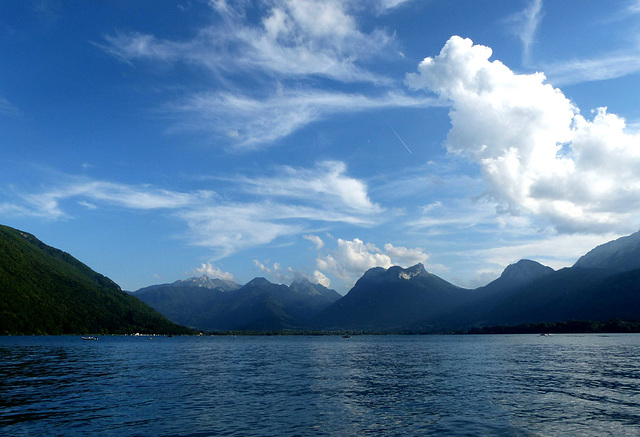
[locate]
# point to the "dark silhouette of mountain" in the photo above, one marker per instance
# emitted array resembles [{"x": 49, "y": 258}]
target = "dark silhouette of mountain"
[
  {"x": 482, "y": 301},
  {"x": 572, "y": 294},
  {"x": 44, "y": 290},
  {"x": 550, "y": 299},
  {"x": 514, "y": 276},
  {"x": 394, "y": 298},
  {"x": 600, "y": 286},
  {"x": 259, "y": 305},
  {"x": 604, "y": 284},
  {"x": 617, "y": 256}
]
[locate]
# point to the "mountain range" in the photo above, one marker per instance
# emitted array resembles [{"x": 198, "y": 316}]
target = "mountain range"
[
  {"x": 603, "y": 284},
  {"x": 44, "y": 290},
  {"x": 216, "y": 305}
]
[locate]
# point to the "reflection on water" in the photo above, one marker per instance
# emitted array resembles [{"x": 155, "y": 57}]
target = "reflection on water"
[{"x": 287, "y": 386}]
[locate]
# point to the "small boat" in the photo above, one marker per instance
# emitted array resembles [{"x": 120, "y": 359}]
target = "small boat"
[
  {"x": 90, "y": 338},
  {"x": 346, "y": 336}
]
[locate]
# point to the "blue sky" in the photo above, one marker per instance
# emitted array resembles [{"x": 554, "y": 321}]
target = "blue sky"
[{"x": 160, "y": 140}]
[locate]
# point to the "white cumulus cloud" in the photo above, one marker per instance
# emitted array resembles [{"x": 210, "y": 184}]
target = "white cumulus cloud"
[
  {"x": 321, "y": 278},
  {"x": 405, "y": 257},
  {"x": 352, "y": 258},
  {"x": 213, "y": 271},
  {"x": 537, "y": 153}
]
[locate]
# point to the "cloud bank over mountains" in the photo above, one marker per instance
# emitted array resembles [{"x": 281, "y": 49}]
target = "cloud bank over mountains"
[{"x": 538, "y": 154}]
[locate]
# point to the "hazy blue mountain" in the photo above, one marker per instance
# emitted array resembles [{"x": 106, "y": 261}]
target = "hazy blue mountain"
[
  {"x": 205, "y": 281},
  {"x": 186, "y": 301},
  {"x": 307, "y": 299},
  {"x": 619, "y": 255},
  {"x": 258, "y": 305},
  {"x": 44, "y": 290},
  {"x": 394, "y": 298}
]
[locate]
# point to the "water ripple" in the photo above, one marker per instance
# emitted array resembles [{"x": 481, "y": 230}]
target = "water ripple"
[{"x": 321, "y": 386}]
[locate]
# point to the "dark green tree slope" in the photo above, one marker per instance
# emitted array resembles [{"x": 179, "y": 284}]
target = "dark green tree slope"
[{"x": 44, "y": 290}]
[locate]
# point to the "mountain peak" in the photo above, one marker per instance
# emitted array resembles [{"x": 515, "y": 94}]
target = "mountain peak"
[
  {"x": 202, "y": 281},
  {"x": 205, "y": 281},
  {"x": 395, "y": 273},
  {"x": 258, "y": 282},
  {"x": 618, "y": 255},
  {"x": 301, "y": 280},
  {"x": 411, "y": 272},
  {"x": 524, "y": 270}
]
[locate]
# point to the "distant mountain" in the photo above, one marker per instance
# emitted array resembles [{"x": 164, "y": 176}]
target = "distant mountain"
[
  {"x": 186, "y": 301},
  {"x": 224, "y": 306},
  {"x": 394, "y": 298},
  {"x": 617, "y": 256},
  {"x": 603, "y": 284},
  {"x": 46, "y": 291},
  {"x": 312, "y": 298},
  {"x": 205, "y": 282}
]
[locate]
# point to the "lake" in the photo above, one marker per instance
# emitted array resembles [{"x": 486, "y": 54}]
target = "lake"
[{"x": 509, "y": 385}]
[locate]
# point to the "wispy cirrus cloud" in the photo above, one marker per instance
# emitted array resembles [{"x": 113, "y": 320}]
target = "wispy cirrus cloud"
[
  {"x": 327, "y": 184},
  {"x": 525, "y": 24},
  {"x": 272, "y": 207},
  {"x": 251, "y": 122},
  {"x": 556, "y": 251},
  {"x": 621, "y": 59},
  {"x": 383, "y": 6},
  {"x": 609, "y": 66},
  {"x": 88, "y": 192},
  {"x": 293, "y": 38},
  {"x": 302, "y": 51},
  {"x": 7, "y": 109}
]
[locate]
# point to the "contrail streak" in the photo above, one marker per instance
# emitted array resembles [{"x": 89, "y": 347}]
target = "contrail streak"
[{"x": 398, "y": 136}]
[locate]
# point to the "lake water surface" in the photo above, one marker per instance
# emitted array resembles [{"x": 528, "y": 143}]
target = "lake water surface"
[{"x": 509, "y": 385}]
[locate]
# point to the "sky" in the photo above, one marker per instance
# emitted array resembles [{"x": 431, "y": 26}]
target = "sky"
[{"x": 159, "y": 140}]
